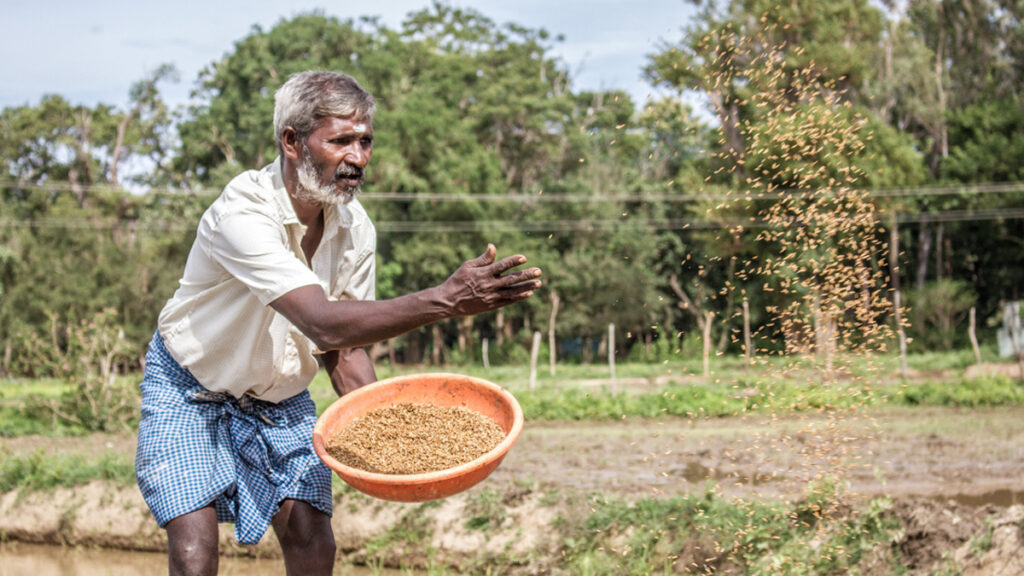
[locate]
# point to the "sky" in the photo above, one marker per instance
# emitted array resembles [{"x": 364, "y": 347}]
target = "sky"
[{"x": 91, "y": 51}]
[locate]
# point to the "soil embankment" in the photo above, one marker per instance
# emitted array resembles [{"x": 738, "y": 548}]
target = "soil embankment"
[{"x": 956, "y": 479}]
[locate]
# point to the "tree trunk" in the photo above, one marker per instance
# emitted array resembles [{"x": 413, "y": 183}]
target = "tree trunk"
[
  {"x": 947, "y": 262},
  {"x": 588, "y": 351},
  {"x": 534, "y": 352},
  {"x": 611, "y": 356},
  {"x": 500, "y": 332},
  {"x": 940, "y": 149},
  {"x": 924, "y": 248},
  {"x": 465, "y": 327},
  {"x": 707, "y": 343},
  {"x": 974, "y": 337},
  {"x": 748, "y": 353},
  {"x": 686, "y": 303},
  {"x": 551, "y": 331},
  {"x": 894, "y": 281},
  {"x": 115, "y": 156},
  {"x": 730, "y": 304},
  {"x": 438, "y": 343}
]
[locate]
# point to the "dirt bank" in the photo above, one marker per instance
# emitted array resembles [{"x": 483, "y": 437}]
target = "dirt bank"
[{"x": 956, "y": 478}]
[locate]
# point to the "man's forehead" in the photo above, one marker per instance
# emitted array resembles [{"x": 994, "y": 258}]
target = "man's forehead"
[{"x": 347, "y": 124}]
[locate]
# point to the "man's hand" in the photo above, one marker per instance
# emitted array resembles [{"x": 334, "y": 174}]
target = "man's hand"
[{"x": 480, "y": 286}]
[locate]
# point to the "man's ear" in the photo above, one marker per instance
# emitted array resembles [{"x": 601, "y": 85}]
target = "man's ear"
[{"x": 291, "y": 146}]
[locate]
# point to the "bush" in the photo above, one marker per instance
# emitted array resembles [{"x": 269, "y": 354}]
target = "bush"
[
  {"x": 936, "y": 312},
  {"x": 40, "y": 471},
  {"x": 86, "y": 356},
  {"x": 983, "y": 391}
]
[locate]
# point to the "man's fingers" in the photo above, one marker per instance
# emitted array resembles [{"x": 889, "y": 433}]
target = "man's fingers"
[
  {"x": 522, "y": 277},
  {"x": 487, "y": 257},
  {"x": 518, "y": 292},
  {"x": 507, "y": 263}
]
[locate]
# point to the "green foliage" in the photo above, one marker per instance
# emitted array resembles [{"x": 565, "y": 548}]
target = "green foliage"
[
  {"x": 573, "y": 403},
  {"x": 481, "y": 138},
  {"x": 710, "y": 534},
  {"x": 119, "y": 251},
  {"x": 987, "y": 142},
  {"x": 484, "y": 509},
  {"x": 983, "y": 391},
  {"x": 24, "y": 418},
  {"x": 719, "y": 400},
  {"x": 86, "y": 355},
  {"x": 937, "y": 312},
  {"x": 43, "y": 471},
  {"x": 412, "y": 531}
]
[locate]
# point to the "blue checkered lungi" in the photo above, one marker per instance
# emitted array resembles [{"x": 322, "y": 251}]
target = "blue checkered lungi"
[{"x": 243, "y": 455}]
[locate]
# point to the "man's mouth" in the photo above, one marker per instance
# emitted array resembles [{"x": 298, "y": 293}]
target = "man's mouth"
[{"x": 352, "y": 174}]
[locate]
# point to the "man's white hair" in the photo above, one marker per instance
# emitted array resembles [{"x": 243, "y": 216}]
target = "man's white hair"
[{"x": 309, "y": 96}]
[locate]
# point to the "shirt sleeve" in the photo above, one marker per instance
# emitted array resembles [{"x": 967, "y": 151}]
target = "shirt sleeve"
[{"x": 254, "y": 248}]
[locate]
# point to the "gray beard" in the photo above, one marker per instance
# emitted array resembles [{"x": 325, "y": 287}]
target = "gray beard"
[{"x": 311, "y": 189}]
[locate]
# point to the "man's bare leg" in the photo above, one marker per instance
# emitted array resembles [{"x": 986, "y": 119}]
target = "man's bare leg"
[
  {"x": 306, "y": 538},
  {"x": 192, "y": 546}
]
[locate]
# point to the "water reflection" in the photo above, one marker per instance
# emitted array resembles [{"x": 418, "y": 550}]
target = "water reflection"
[{"x": 20, "y": 559}]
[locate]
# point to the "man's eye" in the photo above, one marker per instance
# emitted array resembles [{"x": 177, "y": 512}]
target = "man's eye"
[{"x": 367, "y": 142}]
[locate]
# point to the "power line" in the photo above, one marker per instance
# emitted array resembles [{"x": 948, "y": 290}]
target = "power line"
[
  {"x": 899, "y": 192},
  {"x": 528, "y": 226}
]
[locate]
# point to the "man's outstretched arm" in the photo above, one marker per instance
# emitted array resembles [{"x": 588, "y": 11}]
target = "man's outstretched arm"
[{"x": 479, "y": 285}]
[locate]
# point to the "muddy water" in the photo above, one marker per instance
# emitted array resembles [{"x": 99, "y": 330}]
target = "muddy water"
[{"x": 22, "y": 559}]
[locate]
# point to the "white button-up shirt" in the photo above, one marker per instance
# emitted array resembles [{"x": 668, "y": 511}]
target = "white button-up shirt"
[{"x": 248, "y": 253}]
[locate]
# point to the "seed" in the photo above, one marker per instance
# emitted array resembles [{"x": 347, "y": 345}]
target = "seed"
[{"x": 413, "y": 438}]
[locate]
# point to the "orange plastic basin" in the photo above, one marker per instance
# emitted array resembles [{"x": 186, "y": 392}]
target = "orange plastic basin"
[{"x": 444, "y": 390}]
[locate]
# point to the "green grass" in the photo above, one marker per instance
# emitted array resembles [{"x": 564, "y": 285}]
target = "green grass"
[
  {"x": 776, "y": 385},
  {"x": 984, "y": 391},
  {"x": 599, "y": 535},
  {"x": 40, "y": 471},
  {"x": 705, "y": 534}
]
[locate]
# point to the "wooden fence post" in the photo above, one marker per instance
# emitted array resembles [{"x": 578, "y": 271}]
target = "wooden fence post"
[
  {"x": 534, "y": 352},
  {"x": 484, "y": 352},
  {"x": 830, "y": 341},
  {"x": 747, "y": 350},
  {"x": 974, "y": 337},
  {"x": 611, "y": 356},
  {"x": 894, "y": 279},
  {"x": 551, "y": 331},
  {"x": 709, "y": 316}
]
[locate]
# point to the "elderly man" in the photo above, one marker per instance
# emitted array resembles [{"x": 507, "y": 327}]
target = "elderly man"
[{"x": 282, "y": 269}]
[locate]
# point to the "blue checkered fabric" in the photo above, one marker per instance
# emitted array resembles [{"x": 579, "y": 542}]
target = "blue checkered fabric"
[{"x": 244, "y": 455}]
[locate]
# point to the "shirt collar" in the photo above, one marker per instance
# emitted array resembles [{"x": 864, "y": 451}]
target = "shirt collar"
[{"x": 281, "y": 196}]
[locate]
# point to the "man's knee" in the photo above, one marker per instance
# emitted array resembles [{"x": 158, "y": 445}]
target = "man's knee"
[
  {"x": 317, "y": 542},
  {"x": 192, "y": 543},
  {"x": 193, "y": 558},
  {"x": 304, "y": 530}
]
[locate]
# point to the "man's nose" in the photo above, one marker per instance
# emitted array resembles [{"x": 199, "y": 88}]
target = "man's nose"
[{"x": 357, "y": 155}]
